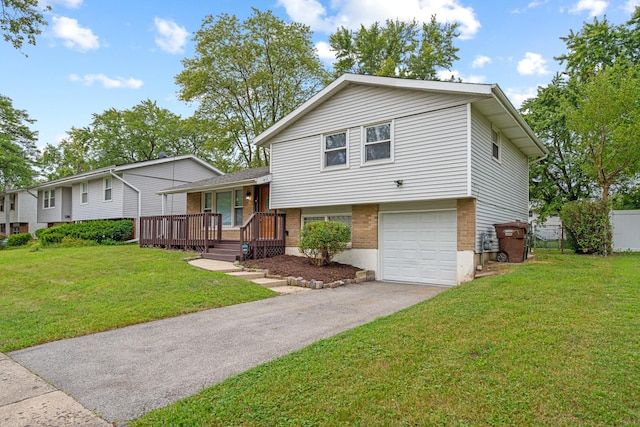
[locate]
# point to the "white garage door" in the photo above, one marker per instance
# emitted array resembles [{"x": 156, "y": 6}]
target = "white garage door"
[{"x": 420, "y": 247}]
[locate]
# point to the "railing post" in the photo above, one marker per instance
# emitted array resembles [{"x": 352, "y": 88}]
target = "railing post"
[{"x": 219, "y": 227}]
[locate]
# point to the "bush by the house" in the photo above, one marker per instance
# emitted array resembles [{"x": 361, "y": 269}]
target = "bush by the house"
[
  {"x": 19, "y": 239},
  {"x": 320, "y": 241},
  {"x": 588, "y": 226},
  {"x": 100, "y": 231}
]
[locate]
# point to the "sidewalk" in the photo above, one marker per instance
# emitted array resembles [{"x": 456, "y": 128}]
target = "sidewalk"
[{"x": 27, "y": 400}]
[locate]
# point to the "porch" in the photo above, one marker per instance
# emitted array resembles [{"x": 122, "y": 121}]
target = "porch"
[{"x": 261, "y": 236}]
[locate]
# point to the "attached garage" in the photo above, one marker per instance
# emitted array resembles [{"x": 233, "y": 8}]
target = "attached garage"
[{"x": 419, "y": 247}]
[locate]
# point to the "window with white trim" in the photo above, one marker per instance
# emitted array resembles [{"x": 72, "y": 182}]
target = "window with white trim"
[
  {"x": 495, "y": 144},
  {"x": 377, "y": 143},
  {"x": 229, "y": 204},
  {"x": 49, "y": 199},
  {"x": 84, "y": 193},
  {"x": 335, "y": 150},
  {"x": 345, "y": 219},
  {"x": 108, "y": 187}
]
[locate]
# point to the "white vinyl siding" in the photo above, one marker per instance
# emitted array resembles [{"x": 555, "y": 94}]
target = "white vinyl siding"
[
  {"x": 96, "y": 207},
  {"x": 430, "y": 156},
  {"x": 501, "y": 188}
]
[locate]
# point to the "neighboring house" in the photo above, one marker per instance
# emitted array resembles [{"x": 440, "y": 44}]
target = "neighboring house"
[
  {"x": 119, "y": 192},
  {"x": 418, "y": 169},
  {"x": 18, "y": 212}
]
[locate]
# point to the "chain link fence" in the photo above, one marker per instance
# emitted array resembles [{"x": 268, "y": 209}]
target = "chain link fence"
[{"x": 548, "y": 236}]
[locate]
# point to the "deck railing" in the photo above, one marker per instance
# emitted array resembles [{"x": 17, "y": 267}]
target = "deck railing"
[
  {"x": 262, "y": 236},
  {"x": 190, "y": 231}
]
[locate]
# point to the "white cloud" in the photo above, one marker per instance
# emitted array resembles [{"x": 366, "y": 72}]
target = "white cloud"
[
  {"x": 69, "y": 4},
  {"x": 107, "y": 82},
  {"x": 172, "y": 37},
  {"x": 594, "y": 7},
  {"x": 630, "y": 6},
  {"x": 352, "y": 13},
  {"x": 517, "y": 96},
  {"x": 323, "y": 49},
  {"x": 480, "y": 61},
  {"x": 74, "y": 36},
  {"x": 533, "y": 64}
]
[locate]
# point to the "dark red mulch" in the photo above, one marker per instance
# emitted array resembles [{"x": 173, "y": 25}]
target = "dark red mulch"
[{"x": 297, "y": 266}]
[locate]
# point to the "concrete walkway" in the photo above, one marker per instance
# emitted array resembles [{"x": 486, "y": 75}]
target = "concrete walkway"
[{"x": 125, "y": 373}]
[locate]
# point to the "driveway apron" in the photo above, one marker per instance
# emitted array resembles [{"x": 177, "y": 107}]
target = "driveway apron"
[{"x": 125, "y": 373}]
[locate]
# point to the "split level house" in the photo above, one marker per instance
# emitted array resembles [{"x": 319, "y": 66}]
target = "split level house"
[
  {"x": 18, "y": 209},
  {"x": 419, "y": 170},
  {"x": 126, "y": 191}
]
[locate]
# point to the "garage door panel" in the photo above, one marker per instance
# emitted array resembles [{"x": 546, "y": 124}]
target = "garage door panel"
[{"x": 420, "y": 247}]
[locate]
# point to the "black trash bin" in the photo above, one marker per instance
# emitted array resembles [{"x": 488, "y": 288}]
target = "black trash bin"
[{"x": 512, "y": 238}]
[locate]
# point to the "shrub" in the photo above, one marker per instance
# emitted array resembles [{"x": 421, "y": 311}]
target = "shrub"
[
  {"x": 588, "y": 226},
  {"x": 100, "y": 231},
  {"x": 19, "y": 239},
  {"x": 320, "y": 241}
]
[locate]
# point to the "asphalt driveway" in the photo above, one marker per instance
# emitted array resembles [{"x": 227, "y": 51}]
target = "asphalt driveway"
[{"x": 124, "y": 373}]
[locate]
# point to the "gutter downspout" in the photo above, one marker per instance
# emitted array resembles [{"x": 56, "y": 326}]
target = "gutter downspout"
[{"x": 139, "y": 203}]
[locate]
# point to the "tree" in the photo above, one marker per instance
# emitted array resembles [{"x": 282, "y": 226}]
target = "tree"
[
  {"x": 17, "y": 146},
  {"x": 558, "y": 178},
  {"x": 20, "y": 19},
  {"x": 245, "y": 76},
  {"x": 397, "y": 49},
  {"x": 125, "y": 136},
  {"x": 606, "y": 121}
]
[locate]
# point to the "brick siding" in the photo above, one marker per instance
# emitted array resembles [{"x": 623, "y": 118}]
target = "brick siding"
[
  {"x": 193, "y": 203},
  {"x": 364, "y": 226},
  {"x": 466, "y": 224},
  {"x": 292, "y": 226}
]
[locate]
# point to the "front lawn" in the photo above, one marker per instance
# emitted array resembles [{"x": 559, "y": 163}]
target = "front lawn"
[
  {"x": 57, "y": 293},
  {"x": 554, "y": 342}
]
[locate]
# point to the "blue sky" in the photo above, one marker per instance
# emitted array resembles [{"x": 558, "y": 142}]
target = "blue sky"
[{"x": 97, "y": 54}]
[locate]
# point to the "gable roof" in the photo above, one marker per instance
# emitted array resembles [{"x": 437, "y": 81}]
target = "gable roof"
[
  {"x": 106, "y": 171},
  {"x": 489, "y": 99},
  {"x": 241, "y": 177}
]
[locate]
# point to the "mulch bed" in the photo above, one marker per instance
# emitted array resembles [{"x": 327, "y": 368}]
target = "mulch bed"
[{"x": 297, "y": 266}]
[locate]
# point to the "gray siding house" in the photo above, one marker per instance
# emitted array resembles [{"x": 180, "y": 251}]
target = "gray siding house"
[
  {"x": 418, "y": 169},
  {"x": 116, "y": 192},
  {"x": 18, "y": 212}
]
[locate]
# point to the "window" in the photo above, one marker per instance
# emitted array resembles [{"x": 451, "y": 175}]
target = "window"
[
  {"x": 378, "y": 142},
  {"x": 495, "y": 144},
  {"x": 49, "y": 199},
  {"x": 107, "y": 189},
  {"x": 334, "y": 148},
  {"x": 12, "y": 202},
  {"x": 345, "y": 219},
  {"x": 1, "y": 203},
  {"x": 229, "y": 204},
  {"x": 237, "y": 208},
  {"x": 207, "y": 203},
  {"x": 84, "y": 193}
]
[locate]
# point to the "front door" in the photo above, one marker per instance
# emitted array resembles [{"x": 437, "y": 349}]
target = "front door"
[{"x": 267, "y": 223}]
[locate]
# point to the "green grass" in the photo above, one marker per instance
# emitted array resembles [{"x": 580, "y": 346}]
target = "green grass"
[
  {"x": 555, "y": 342},
  {"x": 58, "y": 293}
]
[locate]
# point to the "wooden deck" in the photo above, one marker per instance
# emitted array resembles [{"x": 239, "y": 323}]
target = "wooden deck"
[{"x": 261, "y": 236}]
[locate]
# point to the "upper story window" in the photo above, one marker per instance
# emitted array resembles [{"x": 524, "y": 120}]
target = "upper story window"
[
  {"x": 378, "y": 142},
  {"x": 495, "y": 144},
  {"x": 12, "y": 202},
  {"x": 49, "y": 199},
  {"x": 107, "y": 188},
  {"x": 335, "y": 149},
  {"x": 1, "y": 203},
  {"x": 84, "y": 193}
]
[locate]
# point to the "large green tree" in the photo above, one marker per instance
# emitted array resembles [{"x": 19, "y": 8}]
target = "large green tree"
[
  {"x": 20, "y": 19},
  {"x": 606, "y": 122},
  {"x": 396, "y": 49},
  {"x": 17, "y": 146},
  {"x": 247, "y": 75},
  {"x": 124, "y": 136},
  {"x": 559, "y": 178}
]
